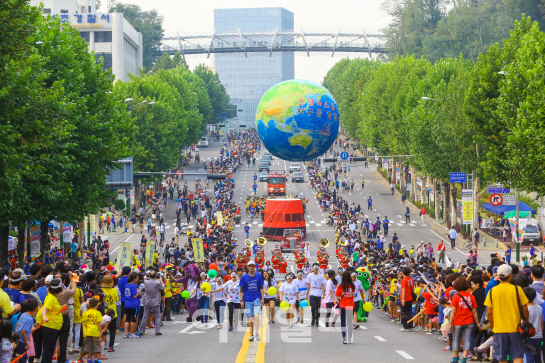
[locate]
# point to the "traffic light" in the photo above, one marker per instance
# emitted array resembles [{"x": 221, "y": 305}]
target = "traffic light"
[
  {"x": 216, "y": 176},
  {"x": 330, "y": 160},
  {"x": 359, "y": 159}
]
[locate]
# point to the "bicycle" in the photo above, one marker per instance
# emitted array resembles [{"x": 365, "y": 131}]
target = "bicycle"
[{"x": 469, "y": 244}]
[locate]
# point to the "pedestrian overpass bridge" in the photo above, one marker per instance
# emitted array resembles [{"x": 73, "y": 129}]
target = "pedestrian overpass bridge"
[{"x": 274, "y": 41}]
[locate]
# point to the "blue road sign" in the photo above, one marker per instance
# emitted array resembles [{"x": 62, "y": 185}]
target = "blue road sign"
[
  {"x": 344, "y": 155},
  {"x": 457, "y": 177},
  {"x": 491, "y": 190}
]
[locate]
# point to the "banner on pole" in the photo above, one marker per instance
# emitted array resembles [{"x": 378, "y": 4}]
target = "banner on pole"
[
  {"x": 198, "y": 249},
  {"x": 92, "y": 224},
  {"x": 467, "y": 206},
  {"x": 124, "y": 256},
  {"x": 67, "y": 234},
  {"x": 35, "y": 241},
  {"x": 219, "y": 217}
]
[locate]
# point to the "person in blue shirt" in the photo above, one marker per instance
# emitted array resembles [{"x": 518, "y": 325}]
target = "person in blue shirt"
[
  {"x": 508, "y": 255},
  {"x": 255, "y": 177},
  {"x": 247, "y": 230},
  {"x": 74, "y": 250},
  {"x": 121, "y": 284},
  {"x": 385, "y": 222},
  {"x": 251, "y": 296},
  {"x": 13, "y": 288},
  {"x": 132, "y": 304},
  {"x": 26, "y": 269},
  {"x": 254, "y": 187},
  {"x": 370, "y": 203}
]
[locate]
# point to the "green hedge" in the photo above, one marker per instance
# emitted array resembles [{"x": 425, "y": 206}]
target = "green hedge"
[{"x": 12, "y": 233}]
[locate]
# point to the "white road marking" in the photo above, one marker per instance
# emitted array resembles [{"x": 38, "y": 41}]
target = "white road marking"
[
  {"x": 380, "y": 339},
  {"x": 400, "y": 224},
  {"x": 411, "y": 224},
  {"x": 403, "y": 354},
  {"x": 318, "y": 224}
]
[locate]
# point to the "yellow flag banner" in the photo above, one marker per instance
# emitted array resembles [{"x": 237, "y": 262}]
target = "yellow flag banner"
[
  {"x": 124, "y": 256},
  {"x": 198, "y": 250},
  {"x": 149, "y": 257},
  {"x": 219, "y": 217}
]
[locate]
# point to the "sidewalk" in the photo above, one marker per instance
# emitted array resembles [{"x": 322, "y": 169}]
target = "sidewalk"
[{"x": 440, "y": 228}]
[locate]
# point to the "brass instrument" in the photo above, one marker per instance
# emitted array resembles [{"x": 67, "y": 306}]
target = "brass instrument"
[{"x": 324, "y": 242}]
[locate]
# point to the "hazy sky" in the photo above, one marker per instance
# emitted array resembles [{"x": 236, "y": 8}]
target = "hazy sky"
[{"x": 197, "y": 16}]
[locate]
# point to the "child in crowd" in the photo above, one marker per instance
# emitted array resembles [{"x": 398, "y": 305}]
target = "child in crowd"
[
  {"x": 29, "y": 309},
  {"x": 91, "y": 331},
  {"x": 7, "y": 345}
]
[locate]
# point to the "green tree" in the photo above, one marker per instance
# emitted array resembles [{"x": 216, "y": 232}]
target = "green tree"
[
  {"x": 436, "y": 29},
  {"x": 166, "y": 126},
  {"x": 149, "y": 23},
  {"x": 168, "y": 62},
  {"x": 346, "y": 81},
  {"x": 219, "y": 99}
]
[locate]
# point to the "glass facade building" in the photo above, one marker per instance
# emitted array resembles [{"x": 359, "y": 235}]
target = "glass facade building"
[{"x": 247, "y": 79}]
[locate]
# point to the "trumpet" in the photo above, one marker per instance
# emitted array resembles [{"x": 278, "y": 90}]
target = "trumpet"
[
  {"x": 324, "y": 242},
  {"x": 249, "y": 243},
  {"x": 262, "y": 241}
]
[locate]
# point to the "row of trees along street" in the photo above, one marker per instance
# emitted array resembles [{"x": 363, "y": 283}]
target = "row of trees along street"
[
  {"x": 63, "y": 122},
  {"x": 484, "y": 116}
]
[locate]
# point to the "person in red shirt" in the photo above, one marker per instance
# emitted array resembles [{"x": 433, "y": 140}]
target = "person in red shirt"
[
  {"x": 442, "y": 248},
  {"x": 407, "y": 287},
  {"x": 345, "y": 297},
  {"x": 431, "y": 303},
  {"x": 462, "y": 316},
  {"x": 301, "y": 259},
  {"x": 282, "y": 265},
  {"x": 260, "y": 259},
  {"x": 275, "y": 260}
]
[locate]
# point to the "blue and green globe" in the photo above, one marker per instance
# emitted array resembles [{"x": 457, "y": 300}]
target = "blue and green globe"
[{"x": 297, "y": 120}]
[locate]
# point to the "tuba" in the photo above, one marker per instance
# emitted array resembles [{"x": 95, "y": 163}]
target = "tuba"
[
  {"x": 249, "y": 243},
  {"x": 324, "y": 242},
  {"x": 262, "y": 241}
]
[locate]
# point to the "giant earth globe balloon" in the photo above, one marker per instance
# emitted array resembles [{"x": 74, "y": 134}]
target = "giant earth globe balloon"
[{"x": 297, "y": 120}]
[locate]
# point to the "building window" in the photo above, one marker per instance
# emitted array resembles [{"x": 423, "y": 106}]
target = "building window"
[
  {"x": 103, "y": 37},
  {"x": 85, "y": 36},
  {"x": 64, "y": 11},
  {"x": 107, "y": 60},
  {"x": 46, "y": 11}
]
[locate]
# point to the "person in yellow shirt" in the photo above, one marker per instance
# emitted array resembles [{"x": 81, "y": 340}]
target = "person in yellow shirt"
[
  {"x": 504, "y": 315},
  {"x": 168, "y": 299},
  {"x": 91, "y": 330},
  {"x": 78, "y": 300},
  {"x": 135, "y": 259},
  {"x": 51, "y": 317},
  {"x": 111, "y": 297},
  {"x": 155, "y": 258}
]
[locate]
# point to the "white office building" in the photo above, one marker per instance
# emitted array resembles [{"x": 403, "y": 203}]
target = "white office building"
[{"x": 109, "y": 35}]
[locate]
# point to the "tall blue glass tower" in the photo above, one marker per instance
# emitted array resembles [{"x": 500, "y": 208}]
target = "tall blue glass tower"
[{"x": 247, "y": 79}]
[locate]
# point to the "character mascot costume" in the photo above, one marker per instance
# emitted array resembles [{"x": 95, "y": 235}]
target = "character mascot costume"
[
  {"x": 364, "y": 275},
  {"x": 191, "y": 272}
]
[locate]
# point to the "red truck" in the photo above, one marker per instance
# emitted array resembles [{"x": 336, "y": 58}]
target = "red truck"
[{"x": 276, "y": 184}]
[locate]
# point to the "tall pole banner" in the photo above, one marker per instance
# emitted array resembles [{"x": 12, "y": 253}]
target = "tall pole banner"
[{"x": 467, "y": 206}]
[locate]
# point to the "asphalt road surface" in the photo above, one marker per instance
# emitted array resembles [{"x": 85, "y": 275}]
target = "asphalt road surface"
[{"x": 377, "y": 341}]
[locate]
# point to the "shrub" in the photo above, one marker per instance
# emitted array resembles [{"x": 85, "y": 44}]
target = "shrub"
[{"x": 119, "y": 204}]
